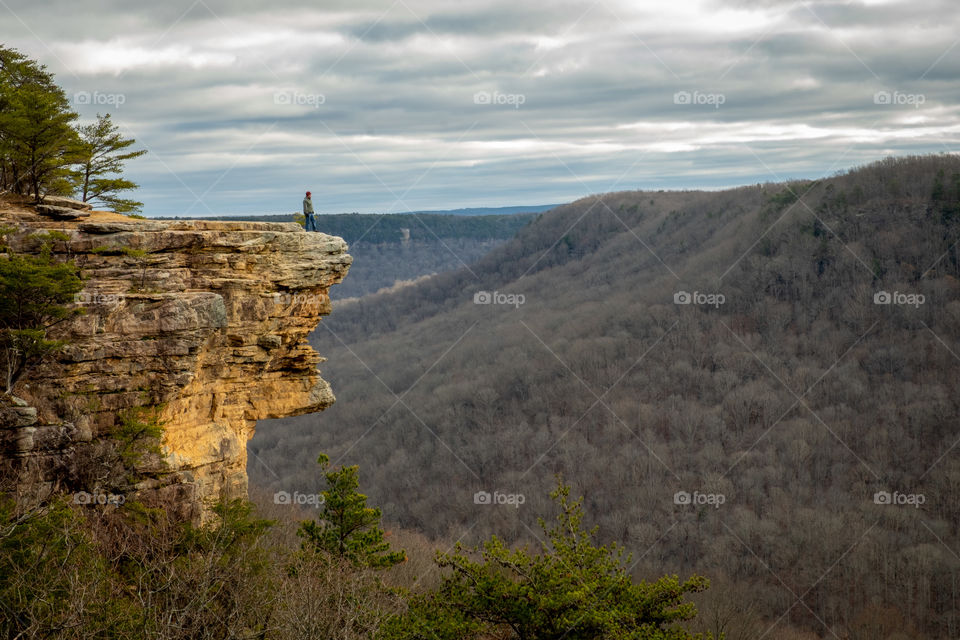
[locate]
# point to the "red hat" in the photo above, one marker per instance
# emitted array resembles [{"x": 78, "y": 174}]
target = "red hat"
[{"x": 308, "y": 193}]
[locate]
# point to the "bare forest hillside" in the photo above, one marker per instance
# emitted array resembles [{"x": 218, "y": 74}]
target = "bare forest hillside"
[{"x": 759, "y": 385}]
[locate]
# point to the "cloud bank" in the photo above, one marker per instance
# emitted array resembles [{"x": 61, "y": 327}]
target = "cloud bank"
[{"x": 403, "y": 105}]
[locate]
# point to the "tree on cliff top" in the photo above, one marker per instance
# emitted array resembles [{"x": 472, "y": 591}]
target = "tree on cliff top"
[
  {"x": 347, "y": 527},
  {"x": 100, "y": 159},
  {"x": 37, "y": 139},
  {"x": 573, "y": 589},
  {"x": 34, "y": 292},
  {"x": 41, "y": 152}
]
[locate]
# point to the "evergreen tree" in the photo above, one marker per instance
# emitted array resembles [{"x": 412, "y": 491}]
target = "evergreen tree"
[
  {"x": 101, "y": 157},
  {"x": 347, "y": 527},
  {"x": 573, "y": 589},
  {"x": 34, "y": 292},
  {"x": 37, "y": 139},
  {"x": 44, "y": 555}
]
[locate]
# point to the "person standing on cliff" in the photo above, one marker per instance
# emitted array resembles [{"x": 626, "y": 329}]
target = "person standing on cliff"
[{"x": 311, "y": 222}]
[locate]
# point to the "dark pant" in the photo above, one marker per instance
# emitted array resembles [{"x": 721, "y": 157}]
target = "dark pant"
[{"x": 311, "y": 222}]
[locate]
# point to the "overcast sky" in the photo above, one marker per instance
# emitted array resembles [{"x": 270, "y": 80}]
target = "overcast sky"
[{"x": 409, "y": 105}]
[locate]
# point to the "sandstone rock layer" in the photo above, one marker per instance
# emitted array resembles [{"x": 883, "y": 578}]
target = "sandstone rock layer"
[{"x": 207, "y": 320}]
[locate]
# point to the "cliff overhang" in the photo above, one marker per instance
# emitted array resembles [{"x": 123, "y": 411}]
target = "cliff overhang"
[{"x": 204, "y": 321}]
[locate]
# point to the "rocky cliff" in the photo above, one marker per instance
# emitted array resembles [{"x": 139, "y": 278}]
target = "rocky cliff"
[{"x": 205, "y": 320}]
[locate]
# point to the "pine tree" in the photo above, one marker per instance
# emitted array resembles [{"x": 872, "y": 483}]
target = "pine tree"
[
  {"x": 101, "y": 157},
  {"x": 37, "y": 139},
  {"x": 34, "y": 292},
  {"x": 347, "y": 527},
  {"x": 573, "y": 590}
]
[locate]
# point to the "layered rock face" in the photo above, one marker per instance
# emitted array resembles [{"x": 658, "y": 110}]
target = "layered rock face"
[{"x": 205, "y": 320}]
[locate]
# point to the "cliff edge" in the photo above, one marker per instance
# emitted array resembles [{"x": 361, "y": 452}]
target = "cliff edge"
[{"x": 206, "y": 321}]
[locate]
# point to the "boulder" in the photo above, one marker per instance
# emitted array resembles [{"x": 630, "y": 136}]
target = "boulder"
[
  {"x": 68, "y": 203},
  {"x": 61, "y": 213}
]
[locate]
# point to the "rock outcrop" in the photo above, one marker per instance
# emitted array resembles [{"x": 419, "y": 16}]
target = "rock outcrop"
[{"x": 206, "y": 320}]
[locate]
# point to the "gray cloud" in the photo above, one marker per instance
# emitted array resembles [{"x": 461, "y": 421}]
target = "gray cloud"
[{"x": 380, "y": 105}]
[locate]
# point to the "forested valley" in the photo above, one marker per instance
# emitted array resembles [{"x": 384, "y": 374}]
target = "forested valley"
[{"x": 758, "y": 385}]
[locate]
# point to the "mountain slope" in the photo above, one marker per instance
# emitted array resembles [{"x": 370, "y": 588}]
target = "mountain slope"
[{"x": 754, "y": 439}]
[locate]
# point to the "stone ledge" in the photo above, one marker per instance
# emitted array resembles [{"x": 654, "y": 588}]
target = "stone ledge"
[
  {"x": 61, "y": 213},
  {"x": 68, "y": 203}
]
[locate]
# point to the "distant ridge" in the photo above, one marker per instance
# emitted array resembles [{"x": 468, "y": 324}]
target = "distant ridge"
[
  {"x": 486, "y": 211},
  {"x": 469, "y": 211}
]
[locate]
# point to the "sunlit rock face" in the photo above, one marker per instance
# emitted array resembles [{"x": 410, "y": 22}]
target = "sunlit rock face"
[{"x": 206, "y": 320}]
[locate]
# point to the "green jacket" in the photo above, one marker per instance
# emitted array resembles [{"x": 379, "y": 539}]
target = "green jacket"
[{"x": 307, "y": 206}]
